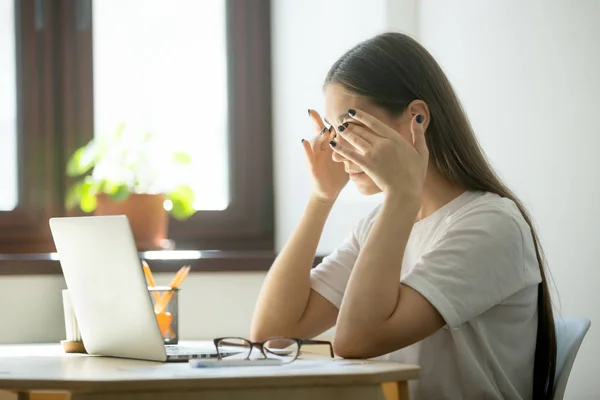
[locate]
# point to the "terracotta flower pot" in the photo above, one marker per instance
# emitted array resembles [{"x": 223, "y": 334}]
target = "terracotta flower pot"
[{"x": 147, "y": 217}]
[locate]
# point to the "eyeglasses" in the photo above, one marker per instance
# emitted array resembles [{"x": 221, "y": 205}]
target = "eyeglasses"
[{"x": 282, "y": 348}]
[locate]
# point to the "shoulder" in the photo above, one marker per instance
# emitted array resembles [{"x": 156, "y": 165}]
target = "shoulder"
[
  {"x": 494, "y": 227},
  {"x": 489, "y": 213}
]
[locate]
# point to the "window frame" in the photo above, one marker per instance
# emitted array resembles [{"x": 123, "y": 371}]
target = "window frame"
[
  {"x": 248, "y": 222},
  {"x": 47, "y": 125},
  {"x": 55, "y": 116}
]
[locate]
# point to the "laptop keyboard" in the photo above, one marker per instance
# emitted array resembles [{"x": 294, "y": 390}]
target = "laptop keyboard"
[{"x": 179, "y": 350}]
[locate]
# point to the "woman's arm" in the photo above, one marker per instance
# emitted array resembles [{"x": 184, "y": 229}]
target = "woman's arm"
[
  {"x": 286, "y": 305},
  {"x": 378, "y": 315}
]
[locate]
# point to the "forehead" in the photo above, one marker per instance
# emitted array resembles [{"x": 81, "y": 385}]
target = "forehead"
[{"x": 338, "y": 101}]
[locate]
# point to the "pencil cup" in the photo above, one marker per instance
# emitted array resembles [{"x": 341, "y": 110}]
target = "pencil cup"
[
  {"x": 73, "y": 342},
  {"x": 165, "y": 301}
]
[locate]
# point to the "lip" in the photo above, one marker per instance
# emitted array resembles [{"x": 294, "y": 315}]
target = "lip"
[{"x": 353, "y": 174}]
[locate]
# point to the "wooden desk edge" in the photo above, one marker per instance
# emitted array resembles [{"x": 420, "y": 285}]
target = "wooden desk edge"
[{"x": 187, "y": 384}]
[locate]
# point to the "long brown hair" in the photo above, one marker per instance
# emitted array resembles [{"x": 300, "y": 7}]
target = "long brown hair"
[{"x": 392, "y": 70}]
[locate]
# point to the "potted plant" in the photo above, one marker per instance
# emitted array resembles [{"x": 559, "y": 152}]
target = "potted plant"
[{"x": 137, "y": 174}]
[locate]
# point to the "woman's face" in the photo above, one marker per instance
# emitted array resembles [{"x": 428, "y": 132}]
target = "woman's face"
[{"x": 337, "y": 103}]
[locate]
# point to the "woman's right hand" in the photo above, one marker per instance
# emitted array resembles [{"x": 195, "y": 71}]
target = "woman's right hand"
[{"x": 328, "y": 177}]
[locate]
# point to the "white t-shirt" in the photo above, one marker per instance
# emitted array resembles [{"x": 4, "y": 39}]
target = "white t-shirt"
[{"x": 474, "y": 260}]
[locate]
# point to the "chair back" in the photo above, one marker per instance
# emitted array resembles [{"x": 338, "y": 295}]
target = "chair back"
[{"x": 569, "y": 335}]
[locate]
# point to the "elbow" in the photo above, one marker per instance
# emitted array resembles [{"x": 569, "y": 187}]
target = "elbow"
[
  {"x": 257, "y": 335},
  {"x": 259, "y": 331},
  {"x": 263, "y": 330},
  {"x": 355, "y": 344}
]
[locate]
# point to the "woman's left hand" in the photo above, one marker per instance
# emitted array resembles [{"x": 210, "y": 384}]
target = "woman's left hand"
[{"x": 396, "y": 166}]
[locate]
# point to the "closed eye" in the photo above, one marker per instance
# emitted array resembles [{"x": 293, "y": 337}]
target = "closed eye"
[{"x": 343, "y": 118}]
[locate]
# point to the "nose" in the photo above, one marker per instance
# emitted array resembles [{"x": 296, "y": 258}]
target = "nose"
[{"x": 337, "y": 157}]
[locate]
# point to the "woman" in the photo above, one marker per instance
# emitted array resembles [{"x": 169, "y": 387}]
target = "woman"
[{"x": 448, "y": 272}]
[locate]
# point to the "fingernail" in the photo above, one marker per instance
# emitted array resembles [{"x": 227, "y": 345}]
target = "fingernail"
[
  {"x": 309, "y": 112},
  {"x": 419, "y": 118},
  {"x": 330, "y": 128},
  {"x": 332, "y": 143},
  {"x": 335, "y": 136},
  {"x": 352, "y": 112},
  {"x": 341, "y": 128},
  {"x": 302, "y": 140},
  {"x": 345, "y": 124},
  {"x": 322, "y": 131}
]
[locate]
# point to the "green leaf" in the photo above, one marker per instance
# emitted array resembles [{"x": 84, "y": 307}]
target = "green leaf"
[
  {"x": 183, "y": 192},
  {"x": 82, "y": 193},
  {"x": 84, "y": 158},
  {"x": 181, "y": 158},
  {"x": 74, "y": 165},
  {"x": 121, "y": 194},
  {"x": 107, "y": 187},
  {"x": 182, "y": 198},
  {"x": 88, "y": 203},
  {"x": 74, "y": 195}
]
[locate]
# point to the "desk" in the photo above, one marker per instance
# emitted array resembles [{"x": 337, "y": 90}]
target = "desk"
[{"x": 32, "y": 369}]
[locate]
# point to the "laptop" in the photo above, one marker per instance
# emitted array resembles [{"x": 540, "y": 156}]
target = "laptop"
[{"x": 109, "y": 293}]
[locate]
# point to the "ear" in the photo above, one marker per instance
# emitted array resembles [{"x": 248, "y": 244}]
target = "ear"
[{"x": 419, "y": 107}]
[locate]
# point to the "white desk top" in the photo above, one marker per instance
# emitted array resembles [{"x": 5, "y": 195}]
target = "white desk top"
[{"x": 47, "y": 367}]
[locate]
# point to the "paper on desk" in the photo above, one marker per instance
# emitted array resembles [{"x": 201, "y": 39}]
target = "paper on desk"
[{"x": 299, "y": 367}]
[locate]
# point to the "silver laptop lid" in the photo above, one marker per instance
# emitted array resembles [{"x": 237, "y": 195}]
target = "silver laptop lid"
[{"x": 107, "y": 287}]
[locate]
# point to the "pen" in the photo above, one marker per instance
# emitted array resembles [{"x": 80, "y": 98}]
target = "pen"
[{"x": 207, "y": 363}]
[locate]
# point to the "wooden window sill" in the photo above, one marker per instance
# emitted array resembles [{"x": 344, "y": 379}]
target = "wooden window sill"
[{"x": 159, "y": 261}]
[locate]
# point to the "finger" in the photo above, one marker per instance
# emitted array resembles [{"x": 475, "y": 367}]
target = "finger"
[
  {"x": 324, "y": 146},
  {"x": 356, "y": 139},
  {"x": 331, "y": 134},
  {"x": 322, "y": 138},
  {"x": 317, "y": 121},
  {"x": 348, "y": 152},
  {"x": 364, "y": 133},
  {"x": 418, "y": 134},
  {"x": 373, "y": 123},
  {"x": 308, "y": 151}
]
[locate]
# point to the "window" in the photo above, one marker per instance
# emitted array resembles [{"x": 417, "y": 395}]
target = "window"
[
  {"x": 170, "y": 78},
  {"x": 8, "y": 108},
  {"x": 83, "y": 67},
  {"x": 50, "y": 95}
]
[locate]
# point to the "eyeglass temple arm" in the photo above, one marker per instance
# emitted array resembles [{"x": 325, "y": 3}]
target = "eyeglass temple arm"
[
  {"x": 231, "y": 344},
  {"x": 310, "y": 341}
]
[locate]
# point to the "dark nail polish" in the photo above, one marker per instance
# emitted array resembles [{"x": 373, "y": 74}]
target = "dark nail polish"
[
  {"x": 419, "y": 118},
  {"x": 341, "y": 128},
  {"x": 352, "y": 112},
  {"x": 309, "y": 112},
  {"x": 345, "y": 124},
  {"x": 323, "y": 131},
  {"x": 335, "y": 136},
  {"x": 330, "y": 128},
  {"x": 332, "y": 143},
  {"x": 302, "y": 140}
]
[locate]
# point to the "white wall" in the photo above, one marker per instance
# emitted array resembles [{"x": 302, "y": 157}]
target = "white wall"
[
  {"x": 308, "y": 37},
  {"x": 528, "y": 75},
  {"x": 33, "y": 309}
]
